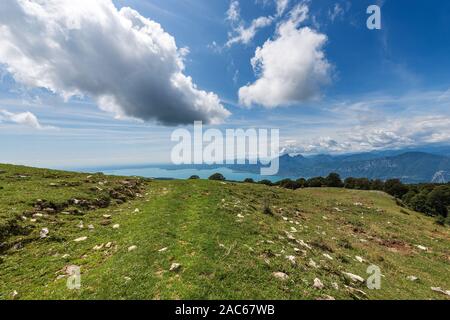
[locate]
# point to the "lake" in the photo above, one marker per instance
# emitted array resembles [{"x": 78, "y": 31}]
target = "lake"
[{"x": 160, "y": 173}]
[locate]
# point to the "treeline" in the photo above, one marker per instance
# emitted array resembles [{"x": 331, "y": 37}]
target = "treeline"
[{"x": 430, "y": 199}]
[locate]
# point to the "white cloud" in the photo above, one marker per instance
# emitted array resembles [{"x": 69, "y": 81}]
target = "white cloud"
[
  {"x": 291, "y": 68},
  {"x": 241, "y": 33},
  {"x": 336, "y": 12},
  {"x": 127, "y": 63},
  {"x": 233, "y": 12},
  {"x": 244, "y": 35},
  {"x": 27, "y": 119},
  {"x": 281, "y": 6},
  {"x": 391, "y": 134}
]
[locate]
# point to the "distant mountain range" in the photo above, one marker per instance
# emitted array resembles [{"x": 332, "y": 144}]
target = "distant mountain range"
[
  {"x": 410, "y": 167},
  {"x": 413, "y": 165}
]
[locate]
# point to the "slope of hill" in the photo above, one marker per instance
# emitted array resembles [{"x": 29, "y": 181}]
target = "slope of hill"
[{"x": 143, "y": 239}]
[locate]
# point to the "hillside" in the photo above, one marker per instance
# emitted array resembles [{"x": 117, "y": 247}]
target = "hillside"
[{"x": 222, "y": 240}]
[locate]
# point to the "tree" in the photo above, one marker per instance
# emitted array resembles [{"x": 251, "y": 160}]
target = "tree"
[
  {"x": 266, "y": 182},
  {"x": 395, "y": 188},
  {"x": 289, "y": 184},
  {"x": 334, "y": 180},
  {"x": 302, "y": 182},
  {"x": 194, "y": 177},
  {"x": 217, "y": 177},
  {"x": 439, "y": 200},
  {"x": 317, "y": 182},
  {"x": 249, "y": 180}
]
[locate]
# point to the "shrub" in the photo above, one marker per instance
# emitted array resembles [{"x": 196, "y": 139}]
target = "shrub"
[
  {"x": 217, "y": 177},
  {"x": 194, "y": 177},
  {"x": 316, "y": 182},
  {"x": 395, "y": 188},
  {"x": 334, "y": 181},
  {"x": 266, "y": 182},
  {"x": 249, "y": 180},
  {"x": 289, "y": 184}
]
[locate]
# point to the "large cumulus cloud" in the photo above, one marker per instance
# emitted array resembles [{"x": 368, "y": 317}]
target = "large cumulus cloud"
[
  {"x": 128, "y": 64},
  {"x": 291, "y": 68}
]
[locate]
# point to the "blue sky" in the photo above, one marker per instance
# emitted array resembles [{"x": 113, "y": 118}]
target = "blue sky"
[{"x": 361, "y": 89}]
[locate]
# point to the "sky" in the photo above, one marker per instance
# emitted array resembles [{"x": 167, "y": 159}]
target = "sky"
[{"x": 97, "y": 83}]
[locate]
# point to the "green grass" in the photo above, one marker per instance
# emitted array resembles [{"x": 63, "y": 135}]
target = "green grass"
[{"x": 221, "y": 234}]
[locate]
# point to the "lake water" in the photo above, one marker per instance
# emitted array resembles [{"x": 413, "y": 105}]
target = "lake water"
[{"x": 154, "y": 172}]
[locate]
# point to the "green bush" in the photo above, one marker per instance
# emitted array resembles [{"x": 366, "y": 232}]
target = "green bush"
[{"x": 217, "y": 177}]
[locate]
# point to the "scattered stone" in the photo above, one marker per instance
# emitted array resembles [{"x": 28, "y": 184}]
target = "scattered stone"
[
  {"x": 65, "y": 256},
  {"x": 91, "y": 227},
  {"x": 80, "y": 225},
  {"x": 163, "y": 249},
  {"x": 44, "y": 233},
  {"x": 335, "y": 286},
  {"x": 132, "y": 248},
  {"x": 337, "y": 209},
  {"x": 412, "y": 278},
  {"x": 175, "y": 267},
  {"x": 116, "y": 226},
  {"x": 240, "y": 216},
  {"x": 80, "y": 239},
  {"x": 127, "y": 279},
  {"x": 422, "y": 248},
  {"x": 107, "y": 216},
  {"x": 281, "y": 276},
  {"x": 38, "y": 215},
  {"x": 359, "y": 259},
  {"x": 318, "y": 284},
  {"x": 326, "y": 255},
  {"x": 136, "y": 210},
  {"x": 14, "y": 295},
  {"x": 99, "y": 247},
  {"x": 353, "y": 277},
  {"x": 326, "y": 298},
  {"x": 440, "y": 290},
  {"x": 302, "y": 243},
  {"x": 108, "y": 245},
  {"x": 358, "y": 204},
  {"x": 312, "y": 263},
  {"x": 291, "y": 259}
]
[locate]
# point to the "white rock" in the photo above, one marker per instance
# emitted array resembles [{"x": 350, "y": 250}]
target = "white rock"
[
  {"x": 44, "y": 233},
  {"x": 302, "y": 243},
  {"x": 107, "y": 216},
  {"x": 116, "y": 226},
  {"x": 440, "y": 290},
  {"x": 422, "y": 248},
  {"x": 91, "y": 227},
  {"x": 175, "y": 267},
  {"x": 291, "y": 259},
  {"x": 99, "y": 247},
  {"x": 326, "y": 255},
  {"x": 318, "y": 284},
  {"x": 335, "y": 286},
  {"x": 132, "y": 248},
  {"x": 80, "y": 225},
  {"x": 163, "y": 249},
  {"x": 359, "y": 259},
  {"x": 240, "y": 216},
  {"x": 14, "y": 294},
  {"x": 136, "y": 210},
  {"x": 353, "y": 277},
  {"x": 338, "y": 210},
  {"x": 281, "y": 276},
  {"x": 412, "y": 278},
  {"x": 312, "y": 263},
  {"x": 80, "y": 239},
  {"x": 108, "y": 245}
]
